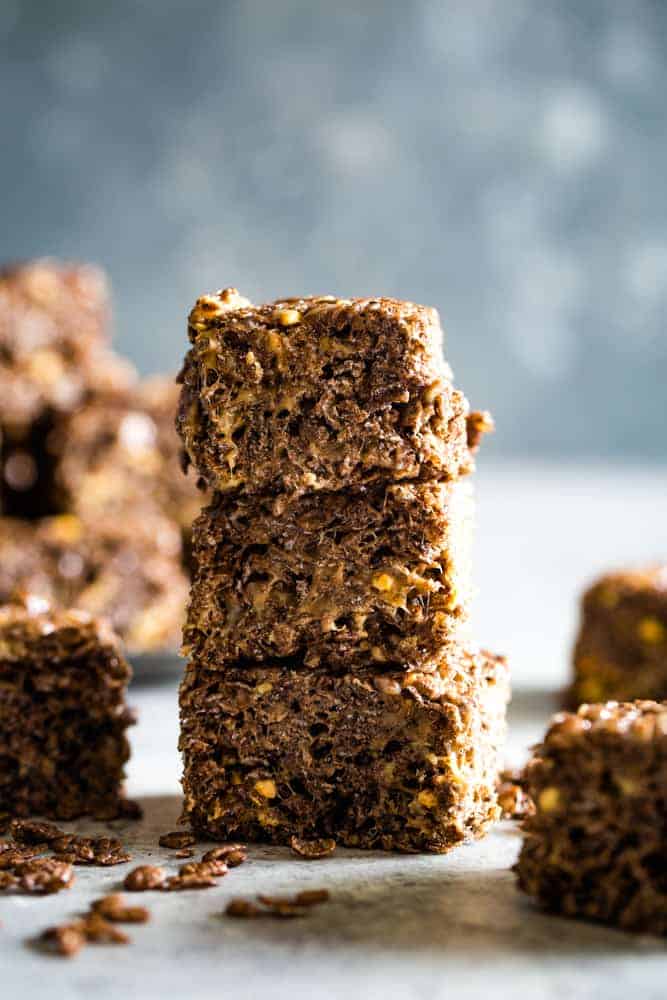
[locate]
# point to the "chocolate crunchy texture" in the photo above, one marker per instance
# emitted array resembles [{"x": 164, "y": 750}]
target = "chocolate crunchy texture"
[
  {"x": 621, "y": 650},
  {"x": 54, "y": 356},
  {"x": 53, "y": 323},
  {"x": 379, "y": 574},
  {"x": 399, "y": 761},
  {"x": 319, "y": 393},
  {"x": 90, "y": 462},
  {"x": 596, "y": 846},
  {"x": 124, "y": 455},
  {"x": 126, "y": 570},
  {"x": 63, "y": 715}
]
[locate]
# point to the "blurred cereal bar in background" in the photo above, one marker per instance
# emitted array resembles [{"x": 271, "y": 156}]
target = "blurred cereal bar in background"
[
  {"x": 621, "y": 650},
  {"x": 125, "y": 569},
  {"x": 54, "y": 355},
  {"x": 124, "y": 456},
  {"x": 97, "y": 508}
]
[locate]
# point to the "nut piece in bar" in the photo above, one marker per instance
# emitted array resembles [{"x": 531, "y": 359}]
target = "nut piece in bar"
[
  {"x": 400, "y": 761},
  {"x": 379, "y": 575},
  {"x": 126, "y": 570},
  {"x": 319, "y": 393},
  {"x": 123, "y": 456},
  {"x": 595, "y": 847},
  {"x": 621, "y": 650},
  {"x": 62, "y": 713}
]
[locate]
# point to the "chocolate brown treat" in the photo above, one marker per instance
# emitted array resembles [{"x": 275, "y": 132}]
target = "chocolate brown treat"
[
  {"x": 621, "y": 651},
  {"x": 127, "y": 570},
  {"x": 379, "y": 575},
  {"x": 403, "y": 761},
  {"x": 318, "y": 394},
  {"x": 62, "y": 713},
  {"x": 124, "y": 455},
  {"x": 54, "y": 357},
  {"x": 597, "y": 844},
  {"x": 53, "y": 323}
]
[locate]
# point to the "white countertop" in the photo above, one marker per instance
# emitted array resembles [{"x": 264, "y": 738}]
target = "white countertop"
[{"x": 396, "y": 926}]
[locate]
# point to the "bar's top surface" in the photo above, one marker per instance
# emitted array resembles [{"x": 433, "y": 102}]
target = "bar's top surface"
[
  {"x": 637, "y": 721},
  {"x": 35, "y": 631},
  {"x": 611, "y": 588},
  {"x": 227, "y": 304}
]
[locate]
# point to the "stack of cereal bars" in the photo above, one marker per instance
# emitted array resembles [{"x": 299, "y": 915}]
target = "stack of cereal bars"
[
  {"x": 332, "y": 690},
  {"x": 95, "y": 508}
]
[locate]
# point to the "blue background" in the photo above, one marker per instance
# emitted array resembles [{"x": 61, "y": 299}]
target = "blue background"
[{"x": 504, "y": 161}]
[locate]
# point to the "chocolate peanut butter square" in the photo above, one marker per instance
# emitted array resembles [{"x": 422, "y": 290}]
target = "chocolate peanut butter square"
[
  {"x": 396, "y": 760},
  {"x": 123, "y": 456},
  {"x": 54, "y": 354},
  {"x": 596, "y": 844},
  {"x": 621, "y": 649},
  {"x": 374, "y": 575},
  {"x": 63, "y": 714},
  {"x": 124, "y": 569},
  {"x": 310, "y": 394}
]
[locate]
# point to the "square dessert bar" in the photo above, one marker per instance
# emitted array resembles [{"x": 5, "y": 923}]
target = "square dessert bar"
[
  {"x": 54, "y": 353},
  {"x": 621, "y": 650},
  {"x": 394, "y": 761},
  {"x": 63, "y": 715},
  {"x": 123, "y": 456},
  {"x": 320, "y": 394},
  {"x": 596, "y": 846},
  {"x": 126, "y": 570},
  {"x": 375, "y": 575},
  {"x": 53, "y": 322}
]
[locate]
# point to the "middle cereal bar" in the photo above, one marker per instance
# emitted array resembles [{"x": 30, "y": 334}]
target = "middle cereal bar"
[{"x": 339, "y": 579}]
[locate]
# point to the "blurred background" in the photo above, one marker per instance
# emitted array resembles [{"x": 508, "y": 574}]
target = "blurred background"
[{"x": 504, "y": 160}]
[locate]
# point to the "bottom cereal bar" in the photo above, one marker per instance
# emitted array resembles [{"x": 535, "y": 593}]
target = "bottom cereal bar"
[
  {"x": 401, "y": 761},
  {"x": 62, "y": 714},
  {"x": 596, "y": 846}
]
